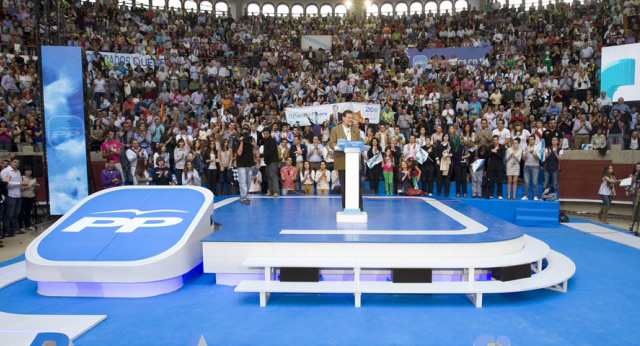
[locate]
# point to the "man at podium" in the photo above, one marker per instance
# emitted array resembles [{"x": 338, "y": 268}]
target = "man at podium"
[{"x": 345, "y": 130}]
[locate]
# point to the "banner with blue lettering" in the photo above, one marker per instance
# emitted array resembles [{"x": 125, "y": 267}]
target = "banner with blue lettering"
[
  {"x": 305, "y": 116},
  {"x": 467, "y": 55},
  {"x": 133, "y": 59}
]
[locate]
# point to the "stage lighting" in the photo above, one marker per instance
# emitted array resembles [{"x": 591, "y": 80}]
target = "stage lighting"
[{"x": 348, "y": 4}]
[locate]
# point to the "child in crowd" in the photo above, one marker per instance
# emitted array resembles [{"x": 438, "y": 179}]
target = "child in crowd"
[{"x": 387, "y": 171}]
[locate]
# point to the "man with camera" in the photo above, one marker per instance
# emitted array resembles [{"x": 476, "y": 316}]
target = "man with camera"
[{"x": 244, "y": 161}]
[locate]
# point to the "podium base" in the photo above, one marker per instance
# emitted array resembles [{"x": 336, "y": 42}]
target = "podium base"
[{"x": 354, "y": 218}]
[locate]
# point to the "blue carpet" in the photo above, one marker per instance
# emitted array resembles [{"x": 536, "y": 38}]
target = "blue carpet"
[
  {"x": 403, "y": 213},
  {"x": 12, "y": 261},
  {"x": 601, "y": 307}
]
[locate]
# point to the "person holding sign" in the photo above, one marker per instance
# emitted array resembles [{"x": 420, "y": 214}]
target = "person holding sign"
[
  {"x": 345, "y": 130},
  {"x": 374, "y": 156}
]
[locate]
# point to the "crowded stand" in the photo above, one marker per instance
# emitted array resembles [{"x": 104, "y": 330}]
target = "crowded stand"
[{"x": 208, "y": 107}]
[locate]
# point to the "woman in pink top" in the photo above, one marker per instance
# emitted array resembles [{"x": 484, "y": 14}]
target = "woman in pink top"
[{"x": 289, "y": 175}]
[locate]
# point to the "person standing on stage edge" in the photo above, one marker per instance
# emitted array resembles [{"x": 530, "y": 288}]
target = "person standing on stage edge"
[
  {"x": 244, "y": 162},
  {"x": 350, "y": 133}
]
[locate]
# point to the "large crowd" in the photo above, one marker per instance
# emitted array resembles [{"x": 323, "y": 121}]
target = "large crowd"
[{"x": 218, "y": 84}]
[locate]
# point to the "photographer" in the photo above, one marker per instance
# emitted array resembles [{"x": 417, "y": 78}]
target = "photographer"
[{"x": 244, "y": 160}]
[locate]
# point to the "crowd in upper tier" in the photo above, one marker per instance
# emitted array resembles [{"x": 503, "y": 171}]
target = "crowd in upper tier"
[{"x": 211, "y": 79}]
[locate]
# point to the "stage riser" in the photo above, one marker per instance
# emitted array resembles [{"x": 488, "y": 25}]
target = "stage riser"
[
  {"x": 227, "y": 257},
  {"x": 343, "y": 275}
]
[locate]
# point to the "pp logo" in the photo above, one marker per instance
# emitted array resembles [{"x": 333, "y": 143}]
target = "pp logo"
[
  {"x": 124, "y": 224},
  {"x": 64, "y": 128}
]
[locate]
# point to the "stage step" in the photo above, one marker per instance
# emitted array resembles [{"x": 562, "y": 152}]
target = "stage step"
[
  {"x": 537, "y": 217},
  {"x": 555, "y": 276},
  {"x": 533, "y": 250}
]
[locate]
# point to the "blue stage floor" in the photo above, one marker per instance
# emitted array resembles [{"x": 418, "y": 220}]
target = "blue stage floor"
[
  {"x": 391, "y": 220},
  {"x": 601, "y": 308}
]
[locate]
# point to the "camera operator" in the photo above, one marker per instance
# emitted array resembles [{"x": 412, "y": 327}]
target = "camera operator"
[{"x": 244, "y": 160}]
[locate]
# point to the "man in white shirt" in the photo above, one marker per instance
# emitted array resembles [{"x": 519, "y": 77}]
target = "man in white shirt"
[
  {"x": 11, "y": 175},
  {"x": 133, "y": 154},
  {"x": 604, "y": 101},
  {"x": 503, "y": 133}
]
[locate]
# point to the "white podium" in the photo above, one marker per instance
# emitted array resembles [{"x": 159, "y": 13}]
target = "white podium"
[{"x": 351, "y": 212}]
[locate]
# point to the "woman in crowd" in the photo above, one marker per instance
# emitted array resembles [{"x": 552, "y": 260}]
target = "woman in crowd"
[
  {"x": 374, "y": 172},
  {"x": 495, "y": 167},
  {"x": 211, "y": 161},
  {"x": 444, "y": 164},
  {"x": 422, "y": 136},
  {"x": 514, "y": 156},
  {"x": 521, "y": 133},
  {"x": 599, "y": 141},
  {"x": 21, "y": 134},
  {"x": 461, "y": 168},
  {"x": 553, "y": 156},
  {"x": 428, "y": 167},
  {"x": 141, "y": 173},
  {"x": 369, "y": 135},
  {"x": 225, "y": 162},
  {"x": 169, "y": 141},
  {"x": 607, "y": 192},
  {"x": 307, "y": 178},
  {"x": 180, "y": 157},
  {"x": 144, "y": 137},
  {"x": 322, "y": 178},
  {"x": 531, "y": 169},
  {"x": 189, "y": 175},
  {"x": 97, "y": 133},
  {"x": 404, "y": 177},
  {"x": 29, "y": 188},
  {"x": 324, "y": 132},
  {"x": 197, "y": 156},
  {"x": 468, "y": 137}
]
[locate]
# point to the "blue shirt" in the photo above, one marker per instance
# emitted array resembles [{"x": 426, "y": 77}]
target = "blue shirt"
[
  {"x": 475, "y": 108},
  {"x": 622, "y": 109}
]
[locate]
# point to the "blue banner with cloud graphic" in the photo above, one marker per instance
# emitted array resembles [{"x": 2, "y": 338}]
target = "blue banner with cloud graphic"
[
  {"x": 619, "y": 73},
  {"x": 64, "y": 127}
]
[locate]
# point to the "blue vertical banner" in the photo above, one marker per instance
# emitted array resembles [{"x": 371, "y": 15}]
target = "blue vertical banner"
[{"x": 66, "y": 150}]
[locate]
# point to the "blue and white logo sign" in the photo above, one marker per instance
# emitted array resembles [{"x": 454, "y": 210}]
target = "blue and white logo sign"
[
  {"x": 129, "y": 234},
  {"x": 123, "y": 225},
  {"x": 620, "y": 74}
]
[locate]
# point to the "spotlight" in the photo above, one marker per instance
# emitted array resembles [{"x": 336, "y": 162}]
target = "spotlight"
[{"x": 348, "y": 3}]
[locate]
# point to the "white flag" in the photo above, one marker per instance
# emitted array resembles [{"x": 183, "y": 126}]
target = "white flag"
[
  {"x": 476, "y": 164},
  {"x": 421, "y": 156},
  {"x": 375, "y": 159}
]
